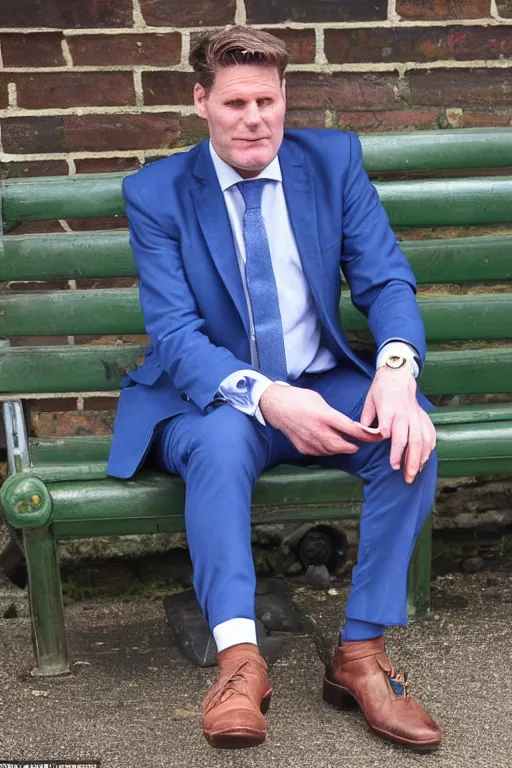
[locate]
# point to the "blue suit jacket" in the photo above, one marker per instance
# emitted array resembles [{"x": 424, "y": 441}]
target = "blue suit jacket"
[{"x": 191, "y": 290}]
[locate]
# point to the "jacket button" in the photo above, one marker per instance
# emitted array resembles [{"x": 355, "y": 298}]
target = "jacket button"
[{"x": 185, "y": 397}]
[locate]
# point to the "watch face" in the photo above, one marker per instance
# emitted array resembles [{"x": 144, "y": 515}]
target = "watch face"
[{"x": 395, "y": 361}]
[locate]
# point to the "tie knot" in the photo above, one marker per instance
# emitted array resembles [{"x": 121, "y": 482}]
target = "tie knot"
[{"x": 252, "y": 192}]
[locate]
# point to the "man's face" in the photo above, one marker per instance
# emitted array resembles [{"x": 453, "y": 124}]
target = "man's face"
[{"x": 245, "y": 112}]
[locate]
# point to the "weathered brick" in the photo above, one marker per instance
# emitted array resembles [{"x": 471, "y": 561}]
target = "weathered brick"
[
  {"x": 43, "y": 90},
  {"x": 456, "y": 87},
  {"x": 33, "y": 134},
  {"x": 431, "y": 10},
  {"x": 52, "y": 404},
  {"x": 396, "y": 120},
  {"x": 305, "y": 118},
  {"x": 277, "y": 11},
  {"x": 71, "y": 423},
  {"x": 158, "y": 50},
  {"x": 106, "y": 164},
  {"x": 417, "y": 44},
  {"x": 102, "y": 222},
  {"x": 349, "y": 90},
  {"x": 4, "y": 93},
  {"x": 484, "y": 118},
  {"x": 504, "y": 8},
  {"x": 168, "y": 87},
  {"x": 28, "y": 169},
  {"x": 64, "y": 14},
  {"x": 125, "y": 132},
  {"x": 193, "y": 13},
  {"x": 100, "y": 403},
  {"x": 301, "y": 43},
  {"x": 193, "y": 129},
  {"x": 41, "y": 49}
]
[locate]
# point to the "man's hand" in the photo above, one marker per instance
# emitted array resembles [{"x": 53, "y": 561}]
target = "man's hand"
[
  {"x": 310, "y": 423},
  {"x": 392, "y": 401}
]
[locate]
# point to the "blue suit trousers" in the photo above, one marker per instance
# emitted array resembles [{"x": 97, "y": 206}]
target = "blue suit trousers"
[{"x": 220, "y": 456}]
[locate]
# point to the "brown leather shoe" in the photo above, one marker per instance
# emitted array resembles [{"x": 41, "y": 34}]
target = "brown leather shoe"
[
  {"x": 361, "y": 674},
  {"x": 234, "y": 708}
]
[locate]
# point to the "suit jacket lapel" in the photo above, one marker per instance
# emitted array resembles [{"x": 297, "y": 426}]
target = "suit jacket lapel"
[
  {"x": 216, "y": 227},
  {"x": 300, "y": 199}
]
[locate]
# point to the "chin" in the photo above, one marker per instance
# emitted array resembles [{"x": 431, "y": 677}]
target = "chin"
[{"x": 253, "y": 160}]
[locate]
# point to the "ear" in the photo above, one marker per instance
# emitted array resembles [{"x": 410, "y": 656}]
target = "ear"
[
  {"x": 283, "y": 90},
  {"x": 200, "y": 98}
]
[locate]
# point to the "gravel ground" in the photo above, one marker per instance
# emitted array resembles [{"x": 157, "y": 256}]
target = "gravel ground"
[{"x": 133, "y": 701}]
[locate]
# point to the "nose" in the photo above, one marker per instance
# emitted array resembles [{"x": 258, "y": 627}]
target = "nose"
[{"x": 252, "y": 114}]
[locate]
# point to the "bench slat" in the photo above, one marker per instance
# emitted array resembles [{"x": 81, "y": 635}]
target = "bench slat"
[
  {"x": 438, "y": 150},
  {"x": 100, "y": 368},
  {"x": 58, "y": 458},
  {"x": 431, "y": 203},
  {"x": 117, "y": 311},
  {"x": 108, "y": 254},
  {"x": 155, "y": 502}
]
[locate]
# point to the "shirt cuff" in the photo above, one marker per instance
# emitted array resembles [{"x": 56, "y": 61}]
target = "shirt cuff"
[
  {"x": 243, "y": 390},
  {"x": 401, "y": 349}
]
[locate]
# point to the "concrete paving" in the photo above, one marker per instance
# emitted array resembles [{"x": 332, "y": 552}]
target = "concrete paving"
[{"x": 133, "y": 701}]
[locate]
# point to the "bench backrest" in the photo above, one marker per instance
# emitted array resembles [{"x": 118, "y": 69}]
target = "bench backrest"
[{"x": 426, "y": 180}]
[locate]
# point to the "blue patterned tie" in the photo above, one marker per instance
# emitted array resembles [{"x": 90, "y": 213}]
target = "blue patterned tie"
[{"x": 261, "y": 284}]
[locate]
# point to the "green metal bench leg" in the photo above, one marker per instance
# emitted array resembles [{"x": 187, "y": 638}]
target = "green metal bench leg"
[
  {"x": 46, "y": 606},
  {"x": 418, "y": 593}
]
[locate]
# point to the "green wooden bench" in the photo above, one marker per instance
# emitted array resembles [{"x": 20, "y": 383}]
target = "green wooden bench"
[{"x": 57, "y": 487}]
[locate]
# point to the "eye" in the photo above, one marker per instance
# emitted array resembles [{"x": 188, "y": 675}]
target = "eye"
[
  {"x": 266, "y": 102},
  {"x": 235, "y": 103}
]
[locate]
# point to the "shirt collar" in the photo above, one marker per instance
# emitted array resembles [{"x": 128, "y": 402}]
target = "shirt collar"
[{"x": 228, "y": 177}]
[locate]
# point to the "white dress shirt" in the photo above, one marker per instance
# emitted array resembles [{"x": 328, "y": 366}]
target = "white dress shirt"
[{"x": 301, "y": 324}]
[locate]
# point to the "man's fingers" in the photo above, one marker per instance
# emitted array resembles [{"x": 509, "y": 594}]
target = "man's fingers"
[
  {"x": 369, "y": 412},
  {"x": 415, "y": 450},
  {"x": 429, "y": 437},
  {"x": 399, "y": 435},
  {"x": 346, "y": 426}
]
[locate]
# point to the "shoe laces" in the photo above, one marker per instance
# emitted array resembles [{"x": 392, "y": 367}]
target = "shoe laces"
[{"x": 234, "y": 682}]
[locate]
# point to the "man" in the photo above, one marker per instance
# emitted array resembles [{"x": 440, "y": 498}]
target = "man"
[{"x": 238, "y": 245}]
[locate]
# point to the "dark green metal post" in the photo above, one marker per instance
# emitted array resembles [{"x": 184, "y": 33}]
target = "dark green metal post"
[
  {"x": 418, "y": 593},
  {"x": 46, "y": 606}
]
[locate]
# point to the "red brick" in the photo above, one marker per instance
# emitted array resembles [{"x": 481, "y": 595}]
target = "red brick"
[
  {"x": 64, "y": 14},
  {"x": 457, "y": 87},
  {"x": 125, "y": 132},
  {"x": 102, "y": 222},
  {"x": 32, "y": 134},
  {"x": 100, "y": 403},
  {"x": 158, "y": 50},
  {"x": 504, "y": 8},
  {"x": 37, "y": 168},
  {"x": 193, "y": 130},
  {"x": 382, "y": 122},
  {"x": 41, "y": 49},
  {"x": 431, "y": 10},
  {"x": 193, "y": 13},
  {"x": 52, "y": 404},
  {"x": 277, "y": 11},
  {"x": 70, "y": 423},
  {"x": 37, "y": 227},
  {"x": 168, "y": 87},
  {"x": 4, "y": 93},
  {"x": 42, "y": 90},
  {"x": 305, "y": 118},
  {"x": 485, "y": 118},
  {"x": 106, "y": 164},
  {"x": 348, "y": 90},
  {"x": 417, "y": 44},
  {"x": 301, "y": 44}
]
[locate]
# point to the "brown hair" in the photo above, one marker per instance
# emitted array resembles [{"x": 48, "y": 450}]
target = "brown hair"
[{"x": 236, "y": 45}]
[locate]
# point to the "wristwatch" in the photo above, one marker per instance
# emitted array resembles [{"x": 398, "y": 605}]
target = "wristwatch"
[{"x": 397, "y": 361}]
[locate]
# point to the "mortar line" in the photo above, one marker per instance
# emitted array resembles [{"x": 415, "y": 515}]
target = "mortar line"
[
  {"x": 12, "y": 95},
  {"x": 66, "y": 52},
  {"x": 240, "y": 13},
  {"x": 185, "y": 49},
  {"x": 138, "y": 19},
  {"x": 392, "y": 12},
  {"x": 320, "y": 57},
  {"x": 137, "y": 87}
]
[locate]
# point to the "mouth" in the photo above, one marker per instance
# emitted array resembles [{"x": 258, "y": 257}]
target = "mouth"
[{"x": 254, "y": 141}]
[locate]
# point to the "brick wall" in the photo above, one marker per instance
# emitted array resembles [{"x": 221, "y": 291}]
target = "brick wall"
[
  {"x": 105, "y": 86},
  {"x": 91, "y": 86}
]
